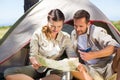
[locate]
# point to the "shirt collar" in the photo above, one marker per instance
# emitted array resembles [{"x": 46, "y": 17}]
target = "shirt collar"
[
  {"x": 59, "y": 36},
  {"x": 88, "y": 30}
]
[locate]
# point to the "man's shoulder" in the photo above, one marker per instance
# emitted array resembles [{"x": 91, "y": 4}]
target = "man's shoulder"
[
  {"x": 73, "y": 32},
  {"x": 97, "y": 29},
  {"x": 94, "y": 27}
]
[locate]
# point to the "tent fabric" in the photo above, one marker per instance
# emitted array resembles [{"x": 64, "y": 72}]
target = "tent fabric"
[{"x": 20, "y": 33}]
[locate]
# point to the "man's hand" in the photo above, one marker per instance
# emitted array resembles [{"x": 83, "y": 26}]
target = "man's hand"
[
  {"x": 34, "y": 62},
  {"x": 81, "y": 68},
  {"x": 86, "y": 55}
]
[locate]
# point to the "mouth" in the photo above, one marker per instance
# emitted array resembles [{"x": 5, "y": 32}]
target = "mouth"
[
  {"x": 55, "y": 31},
  {"x": 79, "y": 32}
]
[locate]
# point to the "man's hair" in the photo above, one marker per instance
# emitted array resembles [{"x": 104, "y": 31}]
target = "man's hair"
[{"x": 81, "y": 14}]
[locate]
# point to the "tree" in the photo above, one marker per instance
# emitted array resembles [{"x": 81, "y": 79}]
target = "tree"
[{"x": 28, "y": 4}]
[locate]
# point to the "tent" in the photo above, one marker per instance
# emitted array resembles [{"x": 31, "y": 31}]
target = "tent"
[{"x": 14, "y": 46}]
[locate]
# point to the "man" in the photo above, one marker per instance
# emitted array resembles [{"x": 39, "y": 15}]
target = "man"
[{"x": 94, "y": 46}]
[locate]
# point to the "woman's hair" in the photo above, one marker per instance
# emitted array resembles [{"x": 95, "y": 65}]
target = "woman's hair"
[{"x": 54, "y": 15}]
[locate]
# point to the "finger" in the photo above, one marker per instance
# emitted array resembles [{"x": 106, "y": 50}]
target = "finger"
[
  {"x": 36, "y": 66},
  {"x": 82, "y": 53},
  {"x": 83, "y": 58},
  {"x": 79, "y": 51},
  {"x": 80, "y": 67}
]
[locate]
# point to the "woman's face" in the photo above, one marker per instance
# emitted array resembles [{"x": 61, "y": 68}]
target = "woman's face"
[{"x": 55, "y": 26}]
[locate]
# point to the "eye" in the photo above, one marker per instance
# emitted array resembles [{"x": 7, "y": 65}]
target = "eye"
[
  {"x": 59, "y": 26},
  {"x": 80, "y": 26},
  {"x": 52, "y": 25}
]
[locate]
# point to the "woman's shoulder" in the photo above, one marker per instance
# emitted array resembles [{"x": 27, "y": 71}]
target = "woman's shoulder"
[
  {"x": 65, "y": 33},
  {"x": 38, "y": 31}
]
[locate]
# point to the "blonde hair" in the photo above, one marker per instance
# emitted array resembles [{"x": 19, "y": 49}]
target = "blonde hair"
[{"x": 47, "y": 32}]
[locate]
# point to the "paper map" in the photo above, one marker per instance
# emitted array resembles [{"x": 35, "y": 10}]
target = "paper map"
[{"x": 65, "y": 65}]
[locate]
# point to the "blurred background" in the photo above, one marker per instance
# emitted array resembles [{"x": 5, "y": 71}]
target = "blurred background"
[{"x": 12, "y": 10}]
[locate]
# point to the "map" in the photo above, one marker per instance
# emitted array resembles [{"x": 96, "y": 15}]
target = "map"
[{"x": 67, "y": 64}]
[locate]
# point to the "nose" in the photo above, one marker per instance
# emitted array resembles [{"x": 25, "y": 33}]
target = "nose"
[
  {"x": 55, "y": 28},
  {"x": 77, "y": 29}
]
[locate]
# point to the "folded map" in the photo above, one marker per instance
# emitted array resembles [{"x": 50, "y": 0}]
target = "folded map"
[{"x": 67, "y": 64}]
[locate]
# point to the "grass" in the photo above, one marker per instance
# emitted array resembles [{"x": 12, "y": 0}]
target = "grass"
[
  {"x": 118, "y": 27},
  {"x": 3, "y": 30},
  {"x": 117, "y": 24}
]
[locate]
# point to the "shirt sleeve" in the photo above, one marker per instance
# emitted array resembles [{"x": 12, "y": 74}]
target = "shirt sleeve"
[
  {"x": 74, "y": 40},
  {"x": 34, "y": 44},
  {"x": 69, "y": 48},
  {"x": 104, "y": 38}
]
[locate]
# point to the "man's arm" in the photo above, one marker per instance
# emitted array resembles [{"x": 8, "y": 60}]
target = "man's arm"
[
  {"x": 106, "y": 42},
  {"x": 107, "y": 51}
]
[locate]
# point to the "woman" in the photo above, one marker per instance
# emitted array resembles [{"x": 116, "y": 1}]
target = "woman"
[{"x": 49, "y": 42}]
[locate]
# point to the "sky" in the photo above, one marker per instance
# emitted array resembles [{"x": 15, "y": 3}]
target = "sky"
[{"x": 12, "y": 10}]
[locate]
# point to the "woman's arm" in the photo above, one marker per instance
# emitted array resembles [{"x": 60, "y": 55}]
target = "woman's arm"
[
  {"x": 34, "y": 50},
  {"x": 69, "y": 48}
]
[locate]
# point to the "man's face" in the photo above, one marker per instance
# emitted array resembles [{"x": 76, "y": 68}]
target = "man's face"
[{"x": 80, "y": 25}]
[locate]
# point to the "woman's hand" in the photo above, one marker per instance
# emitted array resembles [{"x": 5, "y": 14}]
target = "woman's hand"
[{"x": 34, "y": 62}]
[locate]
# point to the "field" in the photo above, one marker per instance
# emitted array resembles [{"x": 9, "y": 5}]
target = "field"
[
  {"x": 117, "y": 24},
  {"x": 4, "y": 29}
]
